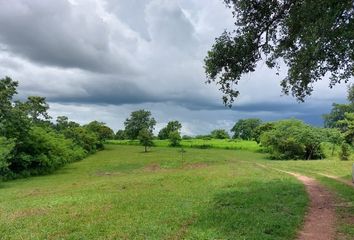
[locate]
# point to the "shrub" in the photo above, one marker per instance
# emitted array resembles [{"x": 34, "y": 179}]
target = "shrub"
[
  {"x": 292, "y": 139},
  {"x": 344, "y": 152},
  {"x": 6, "y": 148},
  {"x": 175, "y": 139}
]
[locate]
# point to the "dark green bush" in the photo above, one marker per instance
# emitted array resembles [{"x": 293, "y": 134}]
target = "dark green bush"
[
  {"x": 344, "y": 152},
  {"x": 292, "y": 139}
]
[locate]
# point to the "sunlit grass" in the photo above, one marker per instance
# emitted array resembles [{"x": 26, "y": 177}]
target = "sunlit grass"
[{"x": 122, "y": 193}]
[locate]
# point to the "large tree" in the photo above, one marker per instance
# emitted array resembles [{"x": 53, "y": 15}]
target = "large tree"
[
  {"x": 337, "y": 114},
  {"x": 313, "y": 38},
  {"x": 246, "y": 128},
  {"x": 138, "y": 120}
]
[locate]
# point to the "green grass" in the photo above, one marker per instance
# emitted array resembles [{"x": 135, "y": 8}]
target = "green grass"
[
  {"x": 122, "y": 193},
  {"x": 234, "y": 144}
]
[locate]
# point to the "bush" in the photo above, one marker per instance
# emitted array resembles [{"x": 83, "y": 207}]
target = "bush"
[
  {"x": 292, "y": 139},
  {"x": 6, "y": 148},
  {"x": 175, "y": 139},
  {"x": 344, "y": 152}
]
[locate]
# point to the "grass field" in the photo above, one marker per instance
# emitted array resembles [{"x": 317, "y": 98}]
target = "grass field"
[
  {"x": 234, "y": 144},
  {"x": 122, "y": 193}
]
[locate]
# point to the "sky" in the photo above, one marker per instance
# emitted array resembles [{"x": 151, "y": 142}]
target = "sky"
[{"x": 102, "y": 59}]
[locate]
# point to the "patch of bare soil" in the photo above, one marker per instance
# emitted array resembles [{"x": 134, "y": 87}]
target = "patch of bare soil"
[
  {"x": 195, "y": 165},
  {"x": 28, "y": 213},
  {"x": 100, "y": 173},
  {"x": 182, "y": 231},
  {"x": 152, "y": 167}
]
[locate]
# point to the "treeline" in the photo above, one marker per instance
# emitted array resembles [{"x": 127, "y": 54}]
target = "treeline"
[
  {"x": 284, "y": 139},
  {"x": 31, "y": 144}
]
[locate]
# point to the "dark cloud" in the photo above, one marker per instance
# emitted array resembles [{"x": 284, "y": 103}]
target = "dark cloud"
[
  {"x": 111, "y": 57},
  {"x": 60, "y": 34}
]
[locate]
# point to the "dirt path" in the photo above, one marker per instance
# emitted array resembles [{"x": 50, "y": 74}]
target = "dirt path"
[
  {"x": 320, "y": 219},
  {"x": 347, "y": 182}
]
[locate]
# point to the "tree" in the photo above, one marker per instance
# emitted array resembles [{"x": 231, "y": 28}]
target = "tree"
[
  {"x": 175, "y": 139},
  {"x": 337, "y": 113},
  {"x": 63, "y": 123},
  {"x": 220, "y": 134},
  {"x": 172, "y": 126},
  {"x": 138, "y": 120},
  {"x": 145, "y": 137},
  {"x": 245, "y": 128},
  {"x": 334, "y": 136},
  {"x": 313, "y": 38},
  {"x": 36, "y": 107},
  {"x": 347, "y": 125},
  {"x": 120, "y": 135},
  {"x": 344, "y": 152},
  {"x": 258, "y": 131},
  {"x": 101, "y": 130}
]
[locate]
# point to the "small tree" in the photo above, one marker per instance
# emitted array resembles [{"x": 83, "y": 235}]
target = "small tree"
[
  {"x": 145, "y": 137},
  {"x": 344, "y": 152},
  {"x": 175, "y": 139},
  {"x": 334, "y": 137}
]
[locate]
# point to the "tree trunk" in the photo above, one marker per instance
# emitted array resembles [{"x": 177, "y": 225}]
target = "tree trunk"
[{"x": 145, "y": 148}]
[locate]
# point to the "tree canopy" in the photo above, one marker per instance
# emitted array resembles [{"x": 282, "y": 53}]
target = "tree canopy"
[
  {"x": 246, "y": 128},
  {"x": 172, "y": 126},
  {"x": 313, "y": 38},
  {"x": 138, "y": 120}
]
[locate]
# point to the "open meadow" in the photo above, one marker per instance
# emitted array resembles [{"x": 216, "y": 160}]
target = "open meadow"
[{"x": 123, "y": 193}]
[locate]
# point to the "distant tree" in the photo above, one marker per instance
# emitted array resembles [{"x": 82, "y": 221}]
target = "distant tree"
[
  {"x": 138, "y": 120},
  {"x": 145, "y": 137},
  {"x": 101, "y": 130},
  {"x": 313, "y": 38},
  {"x": 220, "y": 134},
  {"x": 204, "y": 137},
  {"x": 175, "y": 139},
  {"x": 258, "y": 131},
  {"x": 186, "y": 137},
  {"x": 245, "y": 128},
  {"x": 172, "y": 126},
  {"x": 120, "y": 135}
]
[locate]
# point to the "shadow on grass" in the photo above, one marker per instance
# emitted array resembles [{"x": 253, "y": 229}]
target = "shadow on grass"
[{"x": 255, "y": 210}]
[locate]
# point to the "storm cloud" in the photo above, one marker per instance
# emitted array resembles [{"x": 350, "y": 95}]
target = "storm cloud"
[{"x": 101, "y": 59}]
